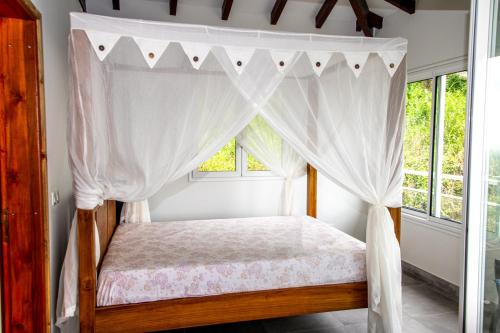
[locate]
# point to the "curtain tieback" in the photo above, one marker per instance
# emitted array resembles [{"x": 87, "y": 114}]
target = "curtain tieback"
[{"x": 377, "y": 205}]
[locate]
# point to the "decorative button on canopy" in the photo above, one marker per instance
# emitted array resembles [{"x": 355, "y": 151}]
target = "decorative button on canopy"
[
  {"x": 196, "y": 53},
  {"x": 282, "y": 59},
  {"x": 318, "y": 60},
  {"x": 101, "y": 48},
  {"x": 151, "y": 49},
  {"x": 239, "y": 63}
]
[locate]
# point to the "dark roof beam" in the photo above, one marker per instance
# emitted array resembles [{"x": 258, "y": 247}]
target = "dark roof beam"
[
  {"x": 324, "y": 12},
  {"x": 374, "y": 21},
  {"x": 226, "y": 9},
  {"x": 405, "y": 5},
  {"x": 362, "y": 13},
  {"x": 173, "y": 7},
  {"x": 277, "y": 10}
]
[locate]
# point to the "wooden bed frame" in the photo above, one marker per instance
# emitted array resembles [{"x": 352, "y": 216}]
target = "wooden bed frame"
[{"x": 200, "y": 311}]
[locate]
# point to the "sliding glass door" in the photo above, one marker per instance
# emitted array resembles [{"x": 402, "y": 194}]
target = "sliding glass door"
[{"x": 482, "y": 279}]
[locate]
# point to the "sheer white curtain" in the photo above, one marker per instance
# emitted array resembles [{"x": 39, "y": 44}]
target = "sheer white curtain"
[
  {"x": 260, "y": 140},
  {"x": 350, "y": 129},
  {"x": 135, "y": 212}
]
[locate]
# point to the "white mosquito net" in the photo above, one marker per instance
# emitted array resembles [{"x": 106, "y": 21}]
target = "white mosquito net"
[{"x": 151, "y": 101}]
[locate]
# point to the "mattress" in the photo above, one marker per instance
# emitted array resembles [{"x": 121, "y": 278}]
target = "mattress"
[{"x": 168, "y": 260}]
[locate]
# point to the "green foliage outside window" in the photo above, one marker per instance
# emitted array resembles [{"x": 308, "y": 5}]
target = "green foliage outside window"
[
  {"x": 255, "y": 165},
  {"x": 417, "y": 143},
  {"x": 454, "y": 143},
  {"x": 223, "y": 161}
]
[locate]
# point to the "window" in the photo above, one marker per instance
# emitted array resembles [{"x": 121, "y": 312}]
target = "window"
[
  {"x": 231, "y": 162},
  {"x": 434, "y": 146}
]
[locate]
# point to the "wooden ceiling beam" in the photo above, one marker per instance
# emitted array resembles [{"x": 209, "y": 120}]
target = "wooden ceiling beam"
[
  {"x": 83, "y": 4},
  {"x": 226, "y": 9},
  {"x": 277, "y": 10},
  {"x": 173, "y": 7},
  {"x": 405, "y": 5},
  {"x": 116, "y": 4},
  {"x": 362, "y": 12},
  {"x": 324, "y": 12},
  {"x": 374, "y": 21}
]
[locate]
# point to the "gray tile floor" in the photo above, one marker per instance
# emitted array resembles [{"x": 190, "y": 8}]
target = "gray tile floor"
[{"x": 424, "y": 311}]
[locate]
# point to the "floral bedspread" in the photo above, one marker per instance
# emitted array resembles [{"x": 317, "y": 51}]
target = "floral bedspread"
[{"x": 167, "y": 260}]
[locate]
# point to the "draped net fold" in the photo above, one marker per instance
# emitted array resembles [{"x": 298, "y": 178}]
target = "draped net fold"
[
  {"x": 260, "y": 140},
  {"x": 150, "y": 101}
]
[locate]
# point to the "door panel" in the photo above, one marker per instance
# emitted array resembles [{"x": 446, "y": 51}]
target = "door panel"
[{"x": 23, "y": 232}]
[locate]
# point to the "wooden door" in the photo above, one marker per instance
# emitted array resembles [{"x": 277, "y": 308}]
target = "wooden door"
[{"x": 25, "y": 301}]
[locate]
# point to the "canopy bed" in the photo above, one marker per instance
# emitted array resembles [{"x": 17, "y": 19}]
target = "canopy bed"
[{"x": 150, "y": 101}]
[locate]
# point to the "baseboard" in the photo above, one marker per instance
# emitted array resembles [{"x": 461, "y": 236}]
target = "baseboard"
[{"x": 443, "y": 287}]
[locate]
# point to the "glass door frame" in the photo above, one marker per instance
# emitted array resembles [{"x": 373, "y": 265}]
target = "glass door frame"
[{"x": 471, "y": 297}]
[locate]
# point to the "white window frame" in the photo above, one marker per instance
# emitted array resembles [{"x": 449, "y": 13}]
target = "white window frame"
[
  {"x": 432, "y": 72},
  {"x": 241, "y": 172}
]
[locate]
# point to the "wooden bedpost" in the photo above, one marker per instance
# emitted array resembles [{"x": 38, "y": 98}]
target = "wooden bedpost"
[
  {"x": 87, "y": 270},
  {"x": 104, "y": 218},
  {"x": 396, "y": 218},
  {"x": 312, "y": 190}
]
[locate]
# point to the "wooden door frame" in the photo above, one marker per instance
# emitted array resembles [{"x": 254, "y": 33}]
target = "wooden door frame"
[{"x": 39, "y": 320}]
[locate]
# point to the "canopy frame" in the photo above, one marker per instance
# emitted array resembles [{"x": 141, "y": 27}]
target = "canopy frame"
[{"x": 233, "y": 49}]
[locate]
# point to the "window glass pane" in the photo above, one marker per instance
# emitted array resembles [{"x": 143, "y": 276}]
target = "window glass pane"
[
  {"x": 254, "y": 165},
  {"x": 223, "y": 161},
  {"x": 449, "y": 139},
  {"x": 417, "y": 145}
]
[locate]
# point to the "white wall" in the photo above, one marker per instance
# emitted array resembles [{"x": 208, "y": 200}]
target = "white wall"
[
  {"x": 55, "y": 29},
  {"x": 186, "y": 199},
  {"x": 434, "y": 37},
  {"x": 434, "y": 249}
]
